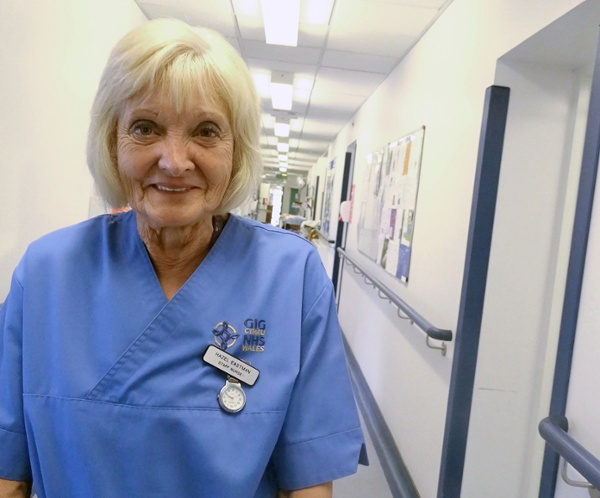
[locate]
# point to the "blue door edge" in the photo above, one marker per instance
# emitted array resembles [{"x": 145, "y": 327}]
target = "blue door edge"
[
  {"x": 575, "y": 271},
  {"x": 483, "y": 208}
]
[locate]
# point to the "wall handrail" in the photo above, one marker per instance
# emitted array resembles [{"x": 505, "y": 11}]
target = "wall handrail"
[
  {"x": 410, "y": 313},
  {"x": 554, "y": 431}
]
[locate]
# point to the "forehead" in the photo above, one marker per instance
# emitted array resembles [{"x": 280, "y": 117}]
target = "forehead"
[{"x": 172, "y": 102}]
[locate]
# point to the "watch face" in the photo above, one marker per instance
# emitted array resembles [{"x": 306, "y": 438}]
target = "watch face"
[{"x": 232, "y": 398}]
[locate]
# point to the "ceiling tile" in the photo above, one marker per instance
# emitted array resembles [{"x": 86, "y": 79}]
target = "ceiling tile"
[
  {"x": 326, "y": 128},
  {"x": 310, "y": 35},
  {"x": 334, "y": 103},
  {"x": 306, "y": 156},
  {"x": 388, "y": 30},
  {"x": 345, "y": 82},
  {"x": 359, "y": 62},
  {"x": 235, "y": 43},
  {"x": 299, "y": 70},
  {"x": 301, "y": 55},
  {"x": 298, "y": 109},
  {"x": 206, "y": 13},
  {"x": 251, "y": 28},
  {"x": 316, "y": 11},
  {"x": 313, "y": 150},
  {"x": 250, "y": 8},
  {"x": 434, "y": 4}
]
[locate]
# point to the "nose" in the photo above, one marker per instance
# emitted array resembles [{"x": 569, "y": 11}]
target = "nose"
[{"x": 174, "y": 156}]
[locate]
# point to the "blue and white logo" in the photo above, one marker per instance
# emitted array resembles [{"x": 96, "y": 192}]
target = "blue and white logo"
[{"x": 225, "y": 335}]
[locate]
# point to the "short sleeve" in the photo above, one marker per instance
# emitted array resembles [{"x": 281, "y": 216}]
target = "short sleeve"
[
  {"x": 14, "y": 458},
  {"x": 321, "y": 439}
]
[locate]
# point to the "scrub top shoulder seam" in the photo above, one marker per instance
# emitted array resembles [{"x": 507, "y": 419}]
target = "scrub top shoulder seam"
[{"x": 314, "y": 304}]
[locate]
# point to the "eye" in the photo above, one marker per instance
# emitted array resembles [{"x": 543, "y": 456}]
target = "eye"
[
  {"x": 143, "y": 128},
  {"x": 207, "y": 130}
]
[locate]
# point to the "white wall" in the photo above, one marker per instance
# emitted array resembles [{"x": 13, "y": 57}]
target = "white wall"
[
  {"x": 583, "y": 406},
  {"x": 52, "y": 53},
  {"x": 526, "y": 278},
  {"x": 441, "y": 85},
  {"x": 319, "y": 170}
]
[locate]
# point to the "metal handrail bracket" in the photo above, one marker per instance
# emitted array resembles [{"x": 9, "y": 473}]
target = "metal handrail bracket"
[
  {"x": 409, "y": 313},
  {"x": 554, "y": 431}
]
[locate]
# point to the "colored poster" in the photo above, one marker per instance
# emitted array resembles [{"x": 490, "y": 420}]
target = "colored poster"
[
  {"x": 400, "y": 188},
  {"x": 405, "y": 245},
  {"x": 388, "y": 206}
]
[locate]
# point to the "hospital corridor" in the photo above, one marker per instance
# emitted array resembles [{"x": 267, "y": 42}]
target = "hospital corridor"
[{"x": 252, "y": 247}]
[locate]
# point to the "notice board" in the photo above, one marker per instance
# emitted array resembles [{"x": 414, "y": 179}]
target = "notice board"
[{"x": 388, "y": 207}]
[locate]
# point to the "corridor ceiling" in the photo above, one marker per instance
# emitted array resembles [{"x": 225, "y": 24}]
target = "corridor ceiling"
[{"x": 339, "y": 61}]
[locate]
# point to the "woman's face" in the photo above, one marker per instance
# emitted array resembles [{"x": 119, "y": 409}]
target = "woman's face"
[{"x": 174, "y": 167}]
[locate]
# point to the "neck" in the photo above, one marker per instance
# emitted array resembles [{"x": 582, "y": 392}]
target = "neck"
[{"x": 176, "y": 252}]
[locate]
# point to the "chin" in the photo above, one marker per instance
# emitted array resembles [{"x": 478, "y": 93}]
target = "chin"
[{"x": 174, "y": 218}]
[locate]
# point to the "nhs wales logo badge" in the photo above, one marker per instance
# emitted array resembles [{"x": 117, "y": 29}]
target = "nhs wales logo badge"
[
  {"x": 225, "y": 335},
  {"x": 255, "y": 332}
]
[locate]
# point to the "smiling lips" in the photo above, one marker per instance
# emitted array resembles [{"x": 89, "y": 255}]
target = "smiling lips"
[{"x": 164, "y": 188}]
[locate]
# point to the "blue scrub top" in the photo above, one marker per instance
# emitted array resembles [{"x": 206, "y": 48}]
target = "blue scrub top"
[{"x": 103, "y": 390}]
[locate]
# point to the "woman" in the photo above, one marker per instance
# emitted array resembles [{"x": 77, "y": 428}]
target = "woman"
[{"x": 173, "y": 350}]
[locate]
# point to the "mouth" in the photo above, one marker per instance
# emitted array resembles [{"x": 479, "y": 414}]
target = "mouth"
[{"x": 164, "y": 188}]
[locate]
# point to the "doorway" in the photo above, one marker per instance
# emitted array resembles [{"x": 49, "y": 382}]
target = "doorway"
[{"x": 342, "y": 226}]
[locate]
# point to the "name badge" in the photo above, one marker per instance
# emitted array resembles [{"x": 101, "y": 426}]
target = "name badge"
[{"x": 231, "y": 365}]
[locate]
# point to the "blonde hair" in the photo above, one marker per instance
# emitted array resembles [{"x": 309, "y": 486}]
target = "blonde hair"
[{"x": 169, "y": 55}]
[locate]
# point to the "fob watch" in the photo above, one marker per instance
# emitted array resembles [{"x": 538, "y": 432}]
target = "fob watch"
[{"x": 232, "y": 397}]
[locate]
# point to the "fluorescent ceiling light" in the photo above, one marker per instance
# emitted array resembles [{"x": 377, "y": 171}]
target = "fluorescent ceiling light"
[
  {"x": 283, "y": 169},
  {"x": 282, "y": 96},
  {"x": 282, "y": 90},
  {"x": 282, "y": 129},
  {"x": 282, "y": 147},
  {"x": 281, "y": 19},
  {"x": 282, "y": 157}
]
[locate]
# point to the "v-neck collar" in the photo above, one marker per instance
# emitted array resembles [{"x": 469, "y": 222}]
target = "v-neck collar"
[{"x": 215, "y": 254}]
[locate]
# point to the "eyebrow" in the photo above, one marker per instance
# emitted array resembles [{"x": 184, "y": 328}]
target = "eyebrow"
[{"x": 201, "y": 115}]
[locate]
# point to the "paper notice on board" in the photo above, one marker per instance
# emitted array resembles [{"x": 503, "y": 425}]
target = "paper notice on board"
[{"x": 388, "y": 204}]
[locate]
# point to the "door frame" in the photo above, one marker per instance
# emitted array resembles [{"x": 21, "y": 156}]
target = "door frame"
[
  {"x": 575, "y": 272},
  {"x": 342, "y": 226}
]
